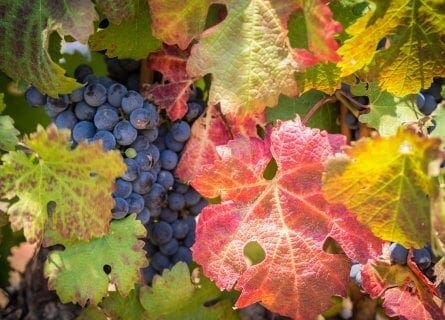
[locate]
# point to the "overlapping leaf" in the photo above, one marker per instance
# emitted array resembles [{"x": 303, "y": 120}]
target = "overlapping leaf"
[
  {"x": 78, "y": 274},
  {"x": 287, "y": 216},
  {"x": 386, "y": 184},
  {"x": 173, "y": 93},
  {"x": 404, "y": 295},
  {"x": 25, "y": 27},
  {"x": 129, "y": 307},
  {"x": 248, "y": 55},
  {"x": 132, "y": 38},
  {"x": 186, "y": 299},
  {"x": 118, "y": 10},
  {"x": 387, "y": 112},
  {"x": 179, "y": 22},
  {"x": 316, "y": 27},
  {"x": 415, "y": 31},
  {"x": 438, "y": 220},
  {"x": 8, "y": 134},
  {"x": 208, "y": 131},
  {"x": 439, "y": 117},
  {"x": 62, "y": 190}
]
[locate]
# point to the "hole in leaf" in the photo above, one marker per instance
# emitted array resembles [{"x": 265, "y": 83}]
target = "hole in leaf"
[
  {"x": 107, "y": 268},
  {"x": 253, "y": 253},
  {"x": 211, "y": 302},
  {"x": 271, "y": 170},
  {"x": 51, "y": 207},
  {"x": 216, "y": 13},
  {"x": 93, "y": 174},
  {"x": 332, "y": 246},
  {"x": 214, "y": 200},
  {"x": 260, "y": 132},
  {"x": 104, "y": 24}
]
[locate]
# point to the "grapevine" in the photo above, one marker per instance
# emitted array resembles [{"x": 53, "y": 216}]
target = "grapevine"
[{"x": 235, "y": 160}]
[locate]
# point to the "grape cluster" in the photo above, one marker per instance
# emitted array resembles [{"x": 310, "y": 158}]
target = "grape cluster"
[
  {"x": 427, "y": 100},
  {"x": 424, "y": 258},
  {"x": 151, "y": 146},
  {"x": 360, "y": 103}
]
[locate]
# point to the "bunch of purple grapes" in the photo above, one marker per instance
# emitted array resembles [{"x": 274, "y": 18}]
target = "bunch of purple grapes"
[{"x": 106, "y": 109}]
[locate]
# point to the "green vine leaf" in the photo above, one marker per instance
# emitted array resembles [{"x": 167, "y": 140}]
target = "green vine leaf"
[
  {"x": 8, "y": 133},
  {"x": 78, "y": 275},
  {"x": 387, "y": 112},
  {"x": 186, "y": 299},
  {"x": 439, "y": 117},
  {"x": 61, "y": 190},
  {"x": 25, "y": 27},
  {"x": 132, "y": 38},
  {"x": 249, "y": 69},
  {"x": 129, "y": 308},
  {"x": 416, "y": 50},
  {"x": 117, "y": 11}
]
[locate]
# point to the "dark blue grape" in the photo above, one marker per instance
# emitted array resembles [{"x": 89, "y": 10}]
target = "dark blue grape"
[
  {"x": 197, "y": 208},
  {"x": 172, "y": 144},
  {"x": 398, "y": 254},
  {"x": 108, "y": 140},
  {"x": 115, "y": 93},
  {"x": 169, "y": 159},
  {"x": 351, "y": 121},
  {"x": 156, "y": 197},
  {"x": 183, "y": 254},
  {"x": 355, "y": 268},
  {"x": 144, "y": 160},
  {"x": 180, "y": 228},
  {"x": 420, "y": 100},
  {"x": 155, "y": 211},
  {"x": 132, "y": 170},
  {"x": 432, "y": 126},
  {"x": 168, "y": 215},
  {"x": 170, "y": 247},
  {"x": 120, "y": 209},
  {"x": 129, "y": 65},
  {"x": 166, "y": 179},
  {"x": 136, "y": 203},
  {"x": 150, "y": 134},
  {"x": 159, "y": 261},
  {"x": 191, "y": 222},
  {"x": 162, "y": 232},
  {"x": 34, "y": 97},
  {"x": 180, "y": 131},
  {"x": 140, "y": 118},
  {"x": 55, "y": 106},
  {"x": 115, "y": 69},
  {"x": 429, "y": 106},
  {"x": 82, "y": 71},
  {"x": 143, "y": 216},
  {"x": 189, "y": 239},
  {"x": 422, "y": 258},
  {"x": 191, "y": 197},
  {"x": 436, "y": 91},
  {"x": 132, "y": 101},
  {"x": 83, "y": 130},
  {"x": 66, "y": 120},
  {"x": 77, "y": 95},
  {"x": 95, "y": 94},
  {"x": 123, "y": 189},
  {"x": 105, "y": 81},
  {"x": 141, "y": 143},
  {"x": 194, "y": 109},
  {"x": 124, "y": 133},
  {"x": 83, "y": 111},
  {"x": 176, "y": 201},
  {"x": 144, "y": 182},
  {"x": 90, "y": 79},
  {"x": 180, "y": 187},
  {"x": 148, "y": 274},
  {"x": 106, "y": 119}
]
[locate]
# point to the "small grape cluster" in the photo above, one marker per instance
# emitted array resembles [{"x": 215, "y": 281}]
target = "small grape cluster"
[
  {"x": 360, "y": 103},
  {"x": 424, "y": 258},
  {"x": 428, "y": 100},
  {"x": 105, "y": 109}
]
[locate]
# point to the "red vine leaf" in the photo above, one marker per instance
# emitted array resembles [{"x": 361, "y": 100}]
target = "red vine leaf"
[
  {"x": 404, "y": 295},
  {"x": 173, "y": 93},
  {"x": 287, "y": 216},
  {"x": 208, "y": 131}
]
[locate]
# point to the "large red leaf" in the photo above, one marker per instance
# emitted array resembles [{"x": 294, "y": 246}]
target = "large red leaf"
[
  {"x": 405, "y": 295},
  {"x": 173, "y": 92},
  {"x": 287, "y": 216}
]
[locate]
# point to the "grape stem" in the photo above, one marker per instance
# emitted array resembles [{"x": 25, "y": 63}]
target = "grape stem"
[{"x": 317, "y": 106}]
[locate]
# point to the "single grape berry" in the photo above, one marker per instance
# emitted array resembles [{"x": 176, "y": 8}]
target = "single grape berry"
[
  {"x": 95, "y": 94},
  {"x": 398, "y": 254},
  {"x": 34, "y": 97}
]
